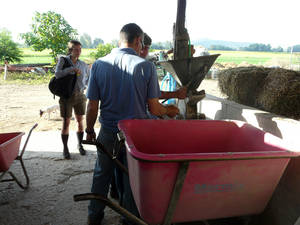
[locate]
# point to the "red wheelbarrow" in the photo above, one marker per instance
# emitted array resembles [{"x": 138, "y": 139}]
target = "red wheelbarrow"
[
  {"x": 9, "y": 151},
  {"x": 197, "y": 170}
]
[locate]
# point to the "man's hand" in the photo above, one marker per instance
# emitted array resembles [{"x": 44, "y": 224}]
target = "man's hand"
[
  {"x": 91, "y": 137},
  {"x": 172, "y": 111},
  {"x": 77, "y": 71},
  {"x": 91, "y": 117},
  {"x": 181, "y": 93}
]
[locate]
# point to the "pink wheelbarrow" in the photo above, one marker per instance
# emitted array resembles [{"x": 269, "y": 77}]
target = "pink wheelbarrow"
[
  {"x": 9, "y": 151},
  {"x": 196, "y": 170}
]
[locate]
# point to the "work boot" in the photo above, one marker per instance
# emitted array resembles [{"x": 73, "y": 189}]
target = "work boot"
[
  {"x": 93, "y": 223},
  {"x": 66, "y": 153},
  {"x": 97, "y": 221},
  {"x": 79, "y": 146}
]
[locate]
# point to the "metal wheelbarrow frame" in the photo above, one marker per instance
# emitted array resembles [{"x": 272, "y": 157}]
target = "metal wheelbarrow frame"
[
  {"x": 122, "y": 211},
  {"x": 19, "y": 158}
]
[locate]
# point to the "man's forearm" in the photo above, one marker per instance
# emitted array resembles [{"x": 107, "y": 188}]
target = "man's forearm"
[
  {"x": 167, "y": 94},
  {"x": 181, "y": 93},
  {"x": 91, "y": 116}
]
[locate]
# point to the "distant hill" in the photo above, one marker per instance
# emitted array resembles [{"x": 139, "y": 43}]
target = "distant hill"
[{"x": 208, "y": 42}]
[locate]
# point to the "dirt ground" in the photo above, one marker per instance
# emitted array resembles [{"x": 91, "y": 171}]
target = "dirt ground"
[
  {"x": 20, "y": 107},
  {"x": 53, "y": 181}
]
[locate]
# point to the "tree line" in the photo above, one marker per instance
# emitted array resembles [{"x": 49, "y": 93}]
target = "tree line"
[{"x": 256, "y": 48}]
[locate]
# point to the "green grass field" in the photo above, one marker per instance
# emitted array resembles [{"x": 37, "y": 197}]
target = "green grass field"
[
  {"x": 256, "y": 58},
  {"x": 30, "y": 56},
  {"x": 237, "y": 57}
]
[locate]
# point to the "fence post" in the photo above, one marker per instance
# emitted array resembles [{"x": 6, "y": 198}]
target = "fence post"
[
  {"x": 5, "y": 69},
  {"x": 291, "y": 56}
]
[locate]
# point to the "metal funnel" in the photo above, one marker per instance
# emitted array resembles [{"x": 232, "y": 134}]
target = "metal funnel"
[{"x": 191, "y": 71}]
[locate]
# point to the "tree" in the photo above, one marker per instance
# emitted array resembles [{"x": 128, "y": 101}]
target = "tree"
[
  {"x": 86, "y": 40},
  {"x": 9, "y": 50},
  {"x": 161, "y": 45},
  {"x": 278, "y": 49},
  {"x": 49, "y": 31},
  {"x": 221, "y": 47},
  {"x": 257, "y": 47},
  {"x": 114, "y": 43},
  {"x": 96, "y": 42},
  {"x": 102, "y": 50},
  {"x": 296, "y": 48}
]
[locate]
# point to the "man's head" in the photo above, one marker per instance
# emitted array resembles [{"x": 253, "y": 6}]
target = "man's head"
[
  {"x": 74, "y": 48},
  {"x": 131, "y": 35},
  {"x": 147, "y": 43}
]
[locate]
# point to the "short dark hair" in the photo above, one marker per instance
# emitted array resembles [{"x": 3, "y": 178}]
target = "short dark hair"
[
  {"x": 129, "y": 32},
  {"x": 71, "y": 44},
  {"x": 147, "y": 39}
]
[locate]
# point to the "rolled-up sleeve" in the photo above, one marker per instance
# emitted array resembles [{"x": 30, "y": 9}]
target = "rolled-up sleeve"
[
  {"x": 93, "y": 91},
  {"x": 59, "y": 72},
  {"x": 153, "y": 85}
]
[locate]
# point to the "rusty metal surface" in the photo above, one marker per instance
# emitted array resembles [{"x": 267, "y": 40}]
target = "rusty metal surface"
[{"x": 180, "y": 33}]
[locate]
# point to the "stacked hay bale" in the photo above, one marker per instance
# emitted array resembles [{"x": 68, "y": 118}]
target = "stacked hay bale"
[
  {"x": 269, "y": 89},
  {"x": 243, "y": 84},
  {"x": 281, "y": 93}
]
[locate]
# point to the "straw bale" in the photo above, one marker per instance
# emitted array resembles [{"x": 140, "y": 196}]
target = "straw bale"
[
  {"x": 281, "y": 93},
  {"x": 243, "y": 84}
]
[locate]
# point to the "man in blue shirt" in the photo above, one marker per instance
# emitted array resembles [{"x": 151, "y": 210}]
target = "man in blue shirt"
[{"x": 125, "y": 84}]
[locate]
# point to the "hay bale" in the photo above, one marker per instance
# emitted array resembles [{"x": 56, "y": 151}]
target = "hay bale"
[
  {"x": 243, "y": 84},
  {"x": 274, "y": 90},
  {"x": 281, "y": 93}
]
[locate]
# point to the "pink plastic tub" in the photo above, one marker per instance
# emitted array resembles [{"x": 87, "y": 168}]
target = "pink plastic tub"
[
  {"x": 233, "y": 167},
  {"x": 9, "y": 149}
]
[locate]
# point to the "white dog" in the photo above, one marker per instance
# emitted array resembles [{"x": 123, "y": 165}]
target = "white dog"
[{"x": 49, "y": 110}]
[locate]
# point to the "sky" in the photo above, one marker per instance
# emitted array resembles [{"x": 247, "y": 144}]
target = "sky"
[{"x": 274, "y": 22}]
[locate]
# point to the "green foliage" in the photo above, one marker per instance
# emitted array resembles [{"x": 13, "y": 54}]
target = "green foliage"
[
  {"x": 96, "y": 42},
  {"x": 115, "y": 43},
  {"x": 257, "y": 48},
  {"x": 221, "y": 47},
  {"x": 85, "y": 40},
  {"x": 161, "y": 45},
  {"x": 49, "y": 31},
  {"x": 278, "y": 49},
  {"x": 9, "y": 50},
  {"x": 296, "y": 48},
  {"x": 102, "y": 50}
]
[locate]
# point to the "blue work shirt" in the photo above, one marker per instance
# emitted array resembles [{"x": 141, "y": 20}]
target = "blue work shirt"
[{"x": 123, "y": 82}]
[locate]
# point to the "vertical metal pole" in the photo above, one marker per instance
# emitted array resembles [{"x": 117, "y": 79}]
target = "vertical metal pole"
[
  {"x": 181, "y": 36},
  {"x": 180, "y": 18}
]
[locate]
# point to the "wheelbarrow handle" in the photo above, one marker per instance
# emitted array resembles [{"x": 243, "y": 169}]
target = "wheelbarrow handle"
[
  {"x": 112, "y": 205},
  {"x": 103, "y": 149},
  {"x": 29, "y": 134}
]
